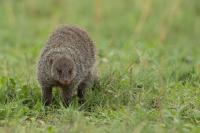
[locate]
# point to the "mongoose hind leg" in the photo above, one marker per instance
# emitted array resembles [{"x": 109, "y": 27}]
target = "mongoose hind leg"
[
  {"x": 81, "y": 92},
  {"x": 46, "y": 95},
  {"x": 96, "y": 82},
  {"x": 66, "y": 95}
]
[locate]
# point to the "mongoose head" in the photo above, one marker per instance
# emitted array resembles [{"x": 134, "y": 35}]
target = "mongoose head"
[{"x": 63, "y": 70}]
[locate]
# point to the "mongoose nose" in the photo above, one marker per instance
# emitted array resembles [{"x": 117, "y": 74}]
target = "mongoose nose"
[{"x": 65, "y": 82}]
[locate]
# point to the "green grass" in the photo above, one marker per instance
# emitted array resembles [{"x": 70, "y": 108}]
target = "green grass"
[{"x": 148, "y": 64}]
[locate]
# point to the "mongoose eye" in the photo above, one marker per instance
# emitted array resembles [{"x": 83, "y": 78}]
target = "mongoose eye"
[
  {"x": 70, "y": 71},
  {"x": 51, "y": 61}
]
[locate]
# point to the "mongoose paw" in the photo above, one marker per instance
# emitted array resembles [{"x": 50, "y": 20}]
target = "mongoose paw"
[
  {"x": 46, "y": 102},
  {"x": 81, "y": 101},
  {"x": 66, "y": 102}
]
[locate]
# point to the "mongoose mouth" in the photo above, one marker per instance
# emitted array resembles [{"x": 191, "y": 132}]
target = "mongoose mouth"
[{"x": 65, "y": 82}]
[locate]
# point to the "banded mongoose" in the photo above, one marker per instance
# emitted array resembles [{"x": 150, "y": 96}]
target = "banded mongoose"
[{"x": 67, "y": 61}]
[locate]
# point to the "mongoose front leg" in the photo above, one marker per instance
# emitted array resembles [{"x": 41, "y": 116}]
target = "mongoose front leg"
[
  {"x": 46, "y": 95},
  {"x": 66, "y": 95}
]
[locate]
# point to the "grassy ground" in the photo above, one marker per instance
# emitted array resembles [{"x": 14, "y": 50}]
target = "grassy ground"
[{"x": 148, "y": 63}]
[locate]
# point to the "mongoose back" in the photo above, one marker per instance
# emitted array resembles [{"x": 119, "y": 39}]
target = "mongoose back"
[{"x": 67, "y": 61}]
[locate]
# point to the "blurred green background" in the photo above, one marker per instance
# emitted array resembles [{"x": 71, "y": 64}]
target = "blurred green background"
[
  {"x": 118, "y": 27},
  {"x": 148, "y": 51}
]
